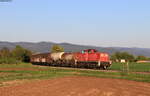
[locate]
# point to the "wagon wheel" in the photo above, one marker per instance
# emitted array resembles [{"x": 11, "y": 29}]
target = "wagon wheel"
[{"x": 104, "y": 67}]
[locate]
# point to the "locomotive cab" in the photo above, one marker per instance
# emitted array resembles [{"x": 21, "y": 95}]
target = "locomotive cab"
[
  {"x": 91, "y": 57},
  {"x": 89, "y": 51}
]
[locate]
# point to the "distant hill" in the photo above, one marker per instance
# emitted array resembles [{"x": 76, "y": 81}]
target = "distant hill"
[{"x": 45, "y": 47}]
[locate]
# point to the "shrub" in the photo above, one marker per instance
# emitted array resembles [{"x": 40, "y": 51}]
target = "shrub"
[{"x": 9, "y": 60}]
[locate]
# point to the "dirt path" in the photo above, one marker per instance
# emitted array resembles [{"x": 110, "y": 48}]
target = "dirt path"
[{"x": 78, "y": 86}]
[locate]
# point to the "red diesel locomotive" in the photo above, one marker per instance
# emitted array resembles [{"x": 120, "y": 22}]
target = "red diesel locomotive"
[{"x": 89, "y": 58}]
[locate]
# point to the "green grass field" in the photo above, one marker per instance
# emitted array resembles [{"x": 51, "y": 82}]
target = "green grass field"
[
  {"x": 28, "y": 71},
  {"x": 133, "y": 67}
]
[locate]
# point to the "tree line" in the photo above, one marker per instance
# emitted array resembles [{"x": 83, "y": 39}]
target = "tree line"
[
  {"x": 118, "y": 56},
  {"x": 20, "y": 54},
  {"x": 17, "y": 55}
]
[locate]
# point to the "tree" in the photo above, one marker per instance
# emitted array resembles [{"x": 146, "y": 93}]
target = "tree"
[
  {"x": 113, "y": 57},
  {"x": 27, "y": 55},
  {"x": 141, "y": 58},
  {"x": 57, "y": 48},
  {"x": 122, "y": 55},
  {"x": 5, "y": 52},
  {"x": 18, "y": 52},
  {"x": 6, "y": 57},
  {"x": 15, "y": 56},
  {"x": 128, "y": 57},
  {"x": 21, "y": 54}
]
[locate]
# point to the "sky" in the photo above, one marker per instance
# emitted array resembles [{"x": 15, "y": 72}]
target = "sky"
[{"x": 107, "y": 23}]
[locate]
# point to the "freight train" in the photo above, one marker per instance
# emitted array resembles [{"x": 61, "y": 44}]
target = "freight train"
[{"x": 89, "y": 58}]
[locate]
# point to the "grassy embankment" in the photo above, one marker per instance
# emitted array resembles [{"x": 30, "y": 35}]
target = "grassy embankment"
[{"x": 28, "y": 71}]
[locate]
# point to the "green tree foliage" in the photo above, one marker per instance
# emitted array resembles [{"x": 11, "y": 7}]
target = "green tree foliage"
[
  {"x": 5, "y": 52},
  {"x": 17, "y": 55},
  {"x": 57, "y": 48},
  {"x": 122, "y": 55},
  {"x": 26, "y": 56},
  {"x": 141, "y": 58},
  {"x": 10, "y": 60},
  {"x": 6, "y": 57},
  {"x": 21, "y": 54}
]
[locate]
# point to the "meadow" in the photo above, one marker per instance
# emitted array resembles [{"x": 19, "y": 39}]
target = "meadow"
[
  {"x": 27, "y": 71},
  {"x": 132, "y": 67}
]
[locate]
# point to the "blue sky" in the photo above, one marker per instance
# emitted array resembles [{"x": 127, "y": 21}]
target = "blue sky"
[{"x": 123, "y": 23}]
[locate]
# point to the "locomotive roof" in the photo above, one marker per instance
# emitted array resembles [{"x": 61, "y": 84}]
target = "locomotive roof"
[
  {"x": 90, "y": 50},
  {"x": 41, "y": 53}
]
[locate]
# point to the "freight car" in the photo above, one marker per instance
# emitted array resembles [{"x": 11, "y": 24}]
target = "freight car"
[
  {"x": 89, "y": 58},
  {"x": 42, "y": 58}
]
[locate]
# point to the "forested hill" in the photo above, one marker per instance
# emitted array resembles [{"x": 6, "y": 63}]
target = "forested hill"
[{"x": 45, "y": 47}]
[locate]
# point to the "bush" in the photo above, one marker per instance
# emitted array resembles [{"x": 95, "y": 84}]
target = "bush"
[
  {"x": 9, "y": 60},
  {"x": 17, "y": 55}
]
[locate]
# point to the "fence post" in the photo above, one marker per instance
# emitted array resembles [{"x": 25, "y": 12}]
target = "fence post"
[{"x": 126, "y": 68}]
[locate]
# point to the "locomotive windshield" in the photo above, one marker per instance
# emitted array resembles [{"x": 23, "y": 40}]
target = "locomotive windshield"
[{"x": 89, "y": 51}]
